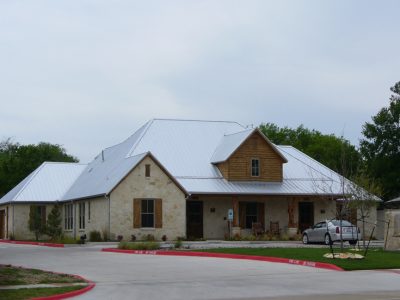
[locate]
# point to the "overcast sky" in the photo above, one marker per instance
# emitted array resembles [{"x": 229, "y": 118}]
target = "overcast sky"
[{"x": 87, "y": 74}]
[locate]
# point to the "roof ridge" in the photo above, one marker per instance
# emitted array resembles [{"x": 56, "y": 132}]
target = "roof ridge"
[
  {"x": 147, "y": 126},
  {"x": 197, "y": 120},
  {"x": 249, "y": 129},
  {"x": 34, "y": 173},
  {"x": 63, "y": 162}
]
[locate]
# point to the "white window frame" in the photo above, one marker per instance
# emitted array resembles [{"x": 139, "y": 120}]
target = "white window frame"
[
  {"x": 68, "y": 216},
  {"x": 82, "y": 207}
]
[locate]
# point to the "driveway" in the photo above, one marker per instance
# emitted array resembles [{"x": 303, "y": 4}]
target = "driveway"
[{"x": 125, "y": 276}]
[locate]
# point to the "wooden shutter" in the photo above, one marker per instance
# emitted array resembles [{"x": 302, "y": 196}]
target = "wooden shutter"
[
  {"x": 137, "y": 213},
  {"x": 261, "y": 213},
  {"x": 158, "y": 213},
  {"x": 242, "y": 213}
]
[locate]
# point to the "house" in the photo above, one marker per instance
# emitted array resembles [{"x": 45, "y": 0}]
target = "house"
[{"x": 180, "y": 178}]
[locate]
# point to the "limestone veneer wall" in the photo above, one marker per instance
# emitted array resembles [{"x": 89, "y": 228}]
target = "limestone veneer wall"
[
  {"x": 276, "y": 209},
  {"x": 18, "y": 221},
  {"x": 98, "y": 217},
  {"x": 157, "y": 186}
]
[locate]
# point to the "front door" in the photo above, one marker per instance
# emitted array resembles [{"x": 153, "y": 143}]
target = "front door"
[
  {"x": 306, "y": 215},
  {"x": 2, "y": 224},
  {"x": 194, "y": 219}
]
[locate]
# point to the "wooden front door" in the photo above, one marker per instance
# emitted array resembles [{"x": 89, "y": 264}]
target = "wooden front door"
[
  {"x": 2, "y": 224},
  {"x": 194, "y": 219},
  {"x": 306, "y": 215}
]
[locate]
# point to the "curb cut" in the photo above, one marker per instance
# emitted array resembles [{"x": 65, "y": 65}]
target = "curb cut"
[
  {"x": 304, "y": 263},
  {"x": 33, "y": 243},
  {"x": 90, "y": 286}
]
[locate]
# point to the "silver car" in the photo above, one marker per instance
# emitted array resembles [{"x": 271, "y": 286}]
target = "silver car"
[{"x": 329, "y": 231}]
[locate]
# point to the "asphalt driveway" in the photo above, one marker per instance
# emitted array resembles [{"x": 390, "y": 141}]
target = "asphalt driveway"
[{"x": 125, "y": 276}]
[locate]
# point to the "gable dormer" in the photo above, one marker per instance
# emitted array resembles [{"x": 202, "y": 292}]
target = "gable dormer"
[{"x": 249, "y": 156}]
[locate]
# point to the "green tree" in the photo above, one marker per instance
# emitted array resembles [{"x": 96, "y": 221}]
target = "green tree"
[
  {"x": 328, "y": 149},
  {"x": 380, "y": 146},
  {"x": 36, "y": 222},
  {"x": 18, "y": 161},
  {"x": 53, "y": 228}
]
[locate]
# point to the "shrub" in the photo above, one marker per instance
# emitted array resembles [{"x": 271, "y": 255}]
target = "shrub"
[
  {"x": 139, "y": 245},
  {"x": 120, "y": 238},
  {"x": 95, "y": 236},
  {"x": 178, "y": 244},
  {"x": 164, "y": 238},
  {"x": 66, "y": 240},
  {"x": 53, "y": 227},
  {"x": 149, "y": 238},
  {"x": 133, "y": 238},
  {"x": 105, "y": 235}
]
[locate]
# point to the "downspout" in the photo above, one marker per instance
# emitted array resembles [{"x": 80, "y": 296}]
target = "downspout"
[
  {"x": 12, "y": 205},
  {"x": 74, "y": 219},
  {"x": 109, "y": 215}
]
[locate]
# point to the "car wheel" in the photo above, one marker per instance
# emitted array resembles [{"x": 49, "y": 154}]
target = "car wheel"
[
  {"x": 328, "y": 240},
  {"x": 353, "y": 242},
  {"x": 305, "y": 239}
]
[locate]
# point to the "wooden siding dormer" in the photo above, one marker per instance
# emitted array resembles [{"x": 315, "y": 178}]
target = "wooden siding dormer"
[{"x": 238, "y": 166}]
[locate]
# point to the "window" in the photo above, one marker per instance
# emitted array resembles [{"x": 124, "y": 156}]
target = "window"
[
  {"x": 68, "y": 217},
  {"x": 82, "y": 215},
  {"x": 251, "y": 214},
  {"x": 147, "y": 213},
  {"x": 147, "y": 171},
  {"x": 255, "y": 167}
]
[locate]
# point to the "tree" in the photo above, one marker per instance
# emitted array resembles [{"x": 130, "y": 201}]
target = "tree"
[
  {"x": 18, "y": 161},
  {"x": 380, "y": 146},
  {"x": 363, "y": 197},
  {"x": 53, "y": 228},
  {"x": 325, "y": 148},
  {"x": 37, "y": 222}
]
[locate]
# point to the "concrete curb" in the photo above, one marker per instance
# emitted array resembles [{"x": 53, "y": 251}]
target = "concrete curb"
[
  {"x": 304, "y": 263},
  {"x": 90, "y": 286},
  {"x": 33, "y": 243}
]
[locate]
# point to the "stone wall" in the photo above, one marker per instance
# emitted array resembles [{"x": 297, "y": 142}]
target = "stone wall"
[
  {"x": 136, "y": 186},
  {"x": 393, "y": 232}
]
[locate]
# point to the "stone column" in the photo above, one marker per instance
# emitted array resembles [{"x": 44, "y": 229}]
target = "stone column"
[{"x": 235, "y": 223}]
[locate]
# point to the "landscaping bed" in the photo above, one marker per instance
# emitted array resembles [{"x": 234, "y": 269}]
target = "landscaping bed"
[
  {"x": 12, "y": 277},
  {"x": 375, "y": 259}
]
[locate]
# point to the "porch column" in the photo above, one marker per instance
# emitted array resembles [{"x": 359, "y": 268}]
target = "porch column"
[
  {"x": 235, "y": 205},
  {"x": 292, "y": 226}
]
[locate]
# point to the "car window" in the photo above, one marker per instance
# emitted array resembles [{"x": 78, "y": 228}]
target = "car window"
[
  {"x": 319, "y": 225},
  {"x": 344, "y": 223}
]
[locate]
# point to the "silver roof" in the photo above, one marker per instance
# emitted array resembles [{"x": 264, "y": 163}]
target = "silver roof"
[
  {"x": 186, "y": 149},
  {"x": 49, "y": 182}
]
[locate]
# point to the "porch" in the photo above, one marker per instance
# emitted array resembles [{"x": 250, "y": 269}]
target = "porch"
[{"x": 207, "y": 215}]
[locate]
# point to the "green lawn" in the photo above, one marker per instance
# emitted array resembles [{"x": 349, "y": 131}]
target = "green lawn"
[
  {"x": 10, "y": 275},
  {"x": 22, "y": 294},
  {"x": 375, "y": 259}
]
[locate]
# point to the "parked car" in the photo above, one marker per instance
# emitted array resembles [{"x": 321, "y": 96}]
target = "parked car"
[{"x": 329, "y": 232}]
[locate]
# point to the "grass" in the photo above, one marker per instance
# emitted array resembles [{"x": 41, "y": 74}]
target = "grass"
[
  {"x": 22, "y": 294},
  {"x": 375, "y": 259},
  {"x": 10, "y": 275},
  {"x": 139, "y": 245}
]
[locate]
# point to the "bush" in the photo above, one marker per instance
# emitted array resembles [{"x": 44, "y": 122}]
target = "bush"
[
  {"x": 178, "y": 244},
  {"x": 133, "y": 238},
  {"x": 105, "y": 235},
  {"x": 164, "y": 238},
  {"x": 139, "y": 245},
  {"x": 120, "y": 238},
  {"x": 95, "y": 236},
  {"x": 66, "y": 240},
  {"x": 149, "y": 238}
]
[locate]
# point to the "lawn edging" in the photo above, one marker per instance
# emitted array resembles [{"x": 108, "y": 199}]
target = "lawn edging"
[
  {"x": 304, "y": 263},
  {"x": 87, "y": 288},
  {"x": 33, "y": 243}
]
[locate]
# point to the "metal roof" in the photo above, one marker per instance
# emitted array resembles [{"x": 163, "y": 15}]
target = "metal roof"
[
  {"x": 185, "y": 148},
  {"x": 49, "y": 182},
  {"x": 229, "y": 143}
]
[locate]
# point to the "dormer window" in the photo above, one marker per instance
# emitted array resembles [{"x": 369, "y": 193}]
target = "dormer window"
[{"x": 255, "y": 167}]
